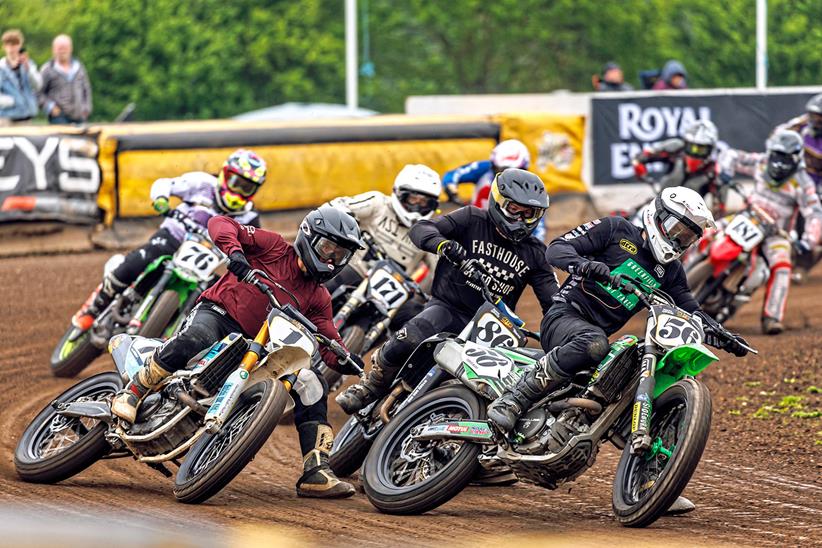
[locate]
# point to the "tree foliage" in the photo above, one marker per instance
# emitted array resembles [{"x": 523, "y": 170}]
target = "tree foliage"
[{"x": 208, "y": 58}]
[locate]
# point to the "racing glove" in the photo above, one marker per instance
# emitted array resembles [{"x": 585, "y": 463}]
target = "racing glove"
[
  {"x": 452, "y": 251},
  {"x": 238, "y": 265},
  {"x": 161, "y": 205},
  {"x": 593, "y": 270},
  {"x": 719, "y": 337}
]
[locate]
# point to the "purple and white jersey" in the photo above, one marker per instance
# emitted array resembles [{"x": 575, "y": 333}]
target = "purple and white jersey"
[{"x": 196, "y": 189}]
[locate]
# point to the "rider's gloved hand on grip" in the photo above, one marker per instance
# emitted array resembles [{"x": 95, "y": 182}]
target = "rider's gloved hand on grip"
[
  {"x": 734, "y": 344},
  {"x": 161, "y": 205},
  {"x": 594, "y": 270},
  {"x": 238, "y": 265},
  {"x": 350, "y": 365},
  {"x": 452, "y": 251}
]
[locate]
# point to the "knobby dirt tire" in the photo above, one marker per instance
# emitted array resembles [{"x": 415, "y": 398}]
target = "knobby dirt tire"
[
  {"x": 195, "y": 487},
  {"x": 684, "y": 460}
]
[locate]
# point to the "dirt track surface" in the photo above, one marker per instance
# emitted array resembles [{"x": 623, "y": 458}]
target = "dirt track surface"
[{"x": 759, "y": 483}]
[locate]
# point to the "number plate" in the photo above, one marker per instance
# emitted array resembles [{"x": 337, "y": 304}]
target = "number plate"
[
  {"x": 745, "y": 232},
  {"x": 673, "y": 331},
  {"x": 387, "y": 290},
  {"x": 491, "y": 332},
  {"x": 196, "y": 258}
]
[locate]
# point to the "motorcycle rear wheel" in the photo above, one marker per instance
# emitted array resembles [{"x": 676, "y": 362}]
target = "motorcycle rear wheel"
[
  {"x": 160, "y": 315},
  {"x": 216, "y": 459},
  {"x": 69, "y": 358},
  {"x": 680, "y": 423},
  {"x": 53, "y": 447},
  {"x": 437, "y": 471}
]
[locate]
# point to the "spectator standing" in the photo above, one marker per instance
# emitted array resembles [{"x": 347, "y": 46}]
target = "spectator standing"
[
  {"x": 19, "y": 81},
  {"x": 610, "y": 79},
  {"x": 674, "y": 76},
  {"x": 66, "y": 93}
]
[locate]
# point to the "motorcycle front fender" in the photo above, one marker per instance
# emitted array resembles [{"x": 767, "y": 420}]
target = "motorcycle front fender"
[
  {"x": 688, "y": 360},
  {"x": 723, "y": 252}
]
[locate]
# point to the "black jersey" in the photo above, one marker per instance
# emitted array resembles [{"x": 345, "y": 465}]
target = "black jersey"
[
  {"x": 512, "y": 265},
  {"x": 620, "y": 245}
]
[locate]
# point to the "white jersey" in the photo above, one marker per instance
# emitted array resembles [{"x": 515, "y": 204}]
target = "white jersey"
[{"x": 376, "y": 216}]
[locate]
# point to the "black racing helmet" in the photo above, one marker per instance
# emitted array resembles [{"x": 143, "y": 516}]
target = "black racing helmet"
[
  {"x": 814, "y": 110},
  {"x": 517, "y": 202},
  {"x": 326, "y": 241},
  {"x": 784, "y": 155}
]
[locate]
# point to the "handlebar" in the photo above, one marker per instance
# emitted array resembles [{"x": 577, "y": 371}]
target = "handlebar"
[{"x": 255, "y": 277}]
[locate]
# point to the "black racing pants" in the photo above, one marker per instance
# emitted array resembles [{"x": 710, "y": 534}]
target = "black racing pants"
[
  {"x": 577, "y": 343},
  {"x": 161, "y": 243},
  {"x": 349, "y": 276},
  {"x": 209, "y": 323},
  {"x": 436, "y": 317}
]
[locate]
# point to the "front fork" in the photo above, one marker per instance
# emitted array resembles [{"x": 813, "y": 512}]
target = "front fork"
[{"x": 643, "y": 401}]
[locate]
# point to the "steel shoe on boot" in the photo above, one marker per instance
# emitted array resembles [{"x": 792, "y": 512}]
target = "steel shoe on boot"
[
  {"x": 681, "y": 506},
  {"x": 505, "y": 411},
  {"x": 127, "y": 401},
  {"x": 772, "y": 326},
  {"x": 97, "y": 302},
  {"x": 375, "y": 386},
  {"x": 318, "y": 481}
]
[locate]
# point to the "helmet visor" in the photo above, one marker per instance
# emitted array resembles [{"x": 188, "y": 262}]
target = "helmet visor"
[
  {"x": 679, "y": 232},
  {"x": 697, "y": 150},
  {"x": 417, "y": 202},
  {"x": 781, "y": 165},
  {"x": 331, "y": 252},
  {"x": 242, "y": 186},
  {"x": 515, "y": 211}
]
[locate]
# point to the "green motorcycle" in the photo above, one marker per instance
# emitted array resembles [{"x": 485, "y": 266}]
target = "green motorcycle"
[
  {"x": 181, "y": 279},
  {"x": 643, "y": 397}
]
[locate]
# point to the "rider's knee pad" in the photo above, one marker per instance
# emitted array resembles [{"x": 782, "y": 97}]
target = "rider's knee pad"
[
  {"x": 400, "y": 346},
  {"x": 597, "y": 347}
]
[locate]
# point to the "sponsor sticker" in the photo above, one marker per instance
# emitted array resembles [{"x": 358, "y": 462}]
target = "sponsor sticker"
[{"x": 628, "y": 246}]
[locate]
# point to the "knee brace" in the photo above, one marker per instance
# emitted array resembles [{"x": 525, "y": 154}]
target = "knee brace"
[{"x": 598, "y": 347}]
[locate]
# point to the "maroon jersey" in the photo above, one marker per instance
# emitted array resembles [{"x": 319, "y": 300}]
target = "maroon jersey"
[{"x": 269, "y": 252}]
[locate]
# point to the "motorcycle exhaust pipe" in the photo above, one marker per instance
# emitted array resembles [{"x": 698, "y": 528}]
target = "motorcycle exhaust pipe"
[{"x": 561, "y": 405}]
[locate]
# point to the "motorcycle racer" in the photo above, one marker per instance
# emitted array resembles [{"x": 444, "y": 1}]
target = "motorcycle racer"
[
  {"x": 689, "y": 161},
  {"x": 389, "y": 219},
  {"x": 586, "y": 310},
  {"x": 809, "y": 127},
  {"x": 203, "y": 196},
  {"x": 783, "y": 189},
  {"x": 325, "y": 242},
  {"x": 510, "y": 153},
  {"x": 500, "y": 237}
]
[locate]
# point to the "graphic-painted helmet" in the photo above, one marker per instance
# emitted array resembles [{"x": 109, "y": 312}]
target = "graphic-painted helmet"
[
  {"x": 241, "y": 176},
  {"x": 510, "y": 153},
  {"x": 326, "y": 241},
  {"x": 416, "y": 193},
  {"x": 674, "y": 221},
  {"x": 517, "y": 202}
]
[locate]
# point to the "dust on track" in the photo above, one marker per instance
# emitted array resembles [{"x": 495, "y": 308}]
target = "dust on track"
[{"x": 759, "y": 482}]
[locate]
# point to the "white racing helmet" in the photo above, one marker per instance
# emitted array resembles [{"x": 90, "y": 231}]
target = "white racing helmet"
[
  {"x": 416, "y": 193},
  {"x": 510, "y": 153},
  {"x": 674, "y": 221}
]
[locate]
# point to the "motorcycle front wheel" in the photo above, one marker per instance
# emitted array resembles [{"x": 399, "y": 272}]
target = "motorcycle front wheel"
[
  {"x": 646, "y": 485},
  {"x": 350, "y": 448},
  {"x": 216, "y": 459},
  {"x": 54, "y": 447},
  {"x": 73, "y": 353},
  {"x": 160, "y": 315},
  {"x": 402, "y": 475}
]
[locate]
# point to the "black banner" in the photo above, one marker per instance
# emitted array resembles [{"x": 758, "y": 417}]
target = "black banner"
[
  {"x": 49, "y": 177},
  {"x": 622, "y": 125}
]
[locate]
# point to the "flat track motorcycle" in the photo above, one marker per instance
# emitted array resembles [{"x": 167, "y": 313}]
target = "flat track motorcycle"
[
  {"x": 218, "y": 412},
  {"x": 642, "y": 397},
  {"x": 180, "y": 280}
]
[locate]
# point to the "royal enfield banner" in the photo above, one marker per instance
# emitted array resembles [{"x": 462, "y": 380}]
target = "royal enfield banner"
[
  {"x": 49, "y": 177},
  {"x": 623, "y": 124}
]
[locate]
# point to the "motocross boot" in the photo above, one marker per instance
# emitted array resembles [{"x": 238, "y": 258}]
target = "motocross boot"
[
  {"x": 772, "y": 326},
  {"x": 97, "y": 302},
  {"x": 544, "y": 378},
  {"x": 318, "y": 481},
  {"x": 375, "y": 386},
  {"x": 127, "y": 401}
]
